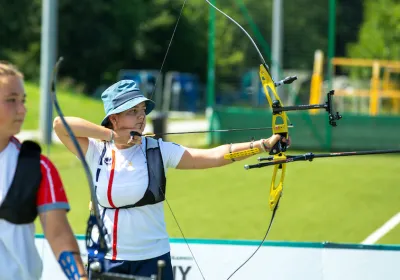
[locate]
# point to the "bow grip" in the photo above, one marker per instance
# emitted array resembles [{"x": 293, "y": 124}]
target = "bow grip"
[{"x": 279, "y": 147}]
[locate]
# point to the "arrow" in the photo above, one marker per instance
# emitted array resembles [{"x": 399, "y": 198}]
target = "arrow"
[{"x": 152, "y": 134}]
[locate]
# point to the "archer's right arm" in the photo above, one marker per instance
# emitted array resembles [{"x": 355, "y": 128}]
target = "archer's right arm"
[{"x": 82, "y": 129}]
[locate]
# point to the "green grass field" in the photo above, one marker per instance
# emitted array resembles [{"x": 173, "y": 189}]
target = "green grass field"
[
  {"x": 71, "y": 103},
  {"x": 338, "y": 200}
]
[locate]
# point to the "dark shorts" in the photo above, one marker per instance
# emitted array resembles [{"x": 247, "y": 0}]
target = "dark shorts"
[{"x": 141, "y": 268}]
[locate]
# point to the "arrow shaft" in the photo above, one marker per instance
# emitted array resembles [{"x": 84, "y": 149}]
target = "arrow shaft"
[{"x": 207, "y": 131}]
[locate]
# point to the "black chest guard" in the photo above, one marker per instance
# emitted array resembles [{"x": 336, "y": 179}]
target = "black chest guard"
[
  {"x": 19, "y": 205},
  {"x": 156, "y": 188}
]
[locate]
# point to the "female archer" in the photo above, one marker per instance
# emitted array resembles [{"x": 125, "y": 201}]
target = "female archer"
[
  {"x": 129, "y": 174},
  {"x": 30, "y": 186}
]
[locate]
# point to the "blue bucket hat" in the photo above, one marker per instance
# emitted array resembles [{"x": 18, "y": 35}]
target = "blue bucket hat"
[{"x": 122, "y": 96}]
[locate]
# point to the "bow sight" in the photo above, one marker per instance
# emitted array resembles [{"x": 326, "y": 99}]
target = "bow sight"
[{"x": 328, "y": 106}]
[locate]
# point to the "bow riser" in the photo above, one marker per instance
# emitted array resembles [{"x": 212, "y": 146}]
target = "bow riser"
[
  {"x": 280, "y": 126},
  {"x": 276, "y": 188}
]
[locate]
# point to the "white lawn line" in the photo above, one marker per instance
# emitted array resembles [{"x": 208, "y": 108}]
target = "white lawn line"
[{"x": 383, "y": 230}]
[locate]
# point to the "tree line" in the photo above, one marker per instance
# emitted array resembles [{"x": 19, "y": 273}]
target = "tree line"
[{"x": 98, "y": 38}]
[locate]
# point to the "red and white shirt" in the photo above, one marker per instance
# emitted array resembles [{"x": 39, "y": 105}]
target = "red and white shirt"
[
  {"x": 19, "y": 258},
  {"x": 137, "y": 233}
]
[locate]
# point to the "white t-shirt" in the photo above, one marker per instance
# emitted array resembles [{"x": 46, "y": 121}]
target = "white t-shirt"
[
  {"x": 137, "y": 233},
  {"x": 19, "y": 258}
]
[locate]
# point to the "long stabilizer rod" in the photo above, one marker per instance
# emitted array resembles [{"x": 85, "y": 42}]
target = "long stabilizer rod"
[{"x": 311, "y": 156}]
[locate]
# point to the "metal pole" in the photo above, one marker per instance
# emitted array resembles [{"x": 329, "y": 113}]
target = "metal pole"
[
  {"x": 47, "y": 61},
  {"x": 211, "y": 57},
  {"x": 211, "y": 71},
  {"x": 331, "y": 40},
  {"x": 277, "y": 19}
]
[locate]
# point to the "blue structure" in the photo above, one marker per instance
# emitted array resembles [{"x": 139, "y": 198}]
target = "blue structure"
[
  {"x": 181, "y": 92},
  {"x": 251, "y": 88}
]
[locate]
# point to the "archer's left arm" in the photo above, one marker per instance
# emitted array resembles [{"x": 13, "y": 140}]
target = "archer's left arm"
[
  {"x": 60, "y": 236},
  {"x": 209, "y": 158},
  {"x": 52, "y": 207}
]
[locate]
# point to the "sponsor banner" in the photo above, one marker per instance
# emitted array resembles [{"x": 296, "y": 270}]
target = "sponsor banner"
[{"x": 218, "y": 259}]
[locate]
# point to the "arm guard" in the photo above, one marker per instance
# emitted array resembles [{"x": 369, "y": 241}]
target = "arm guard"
[{"x": 68, "y": 265}]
